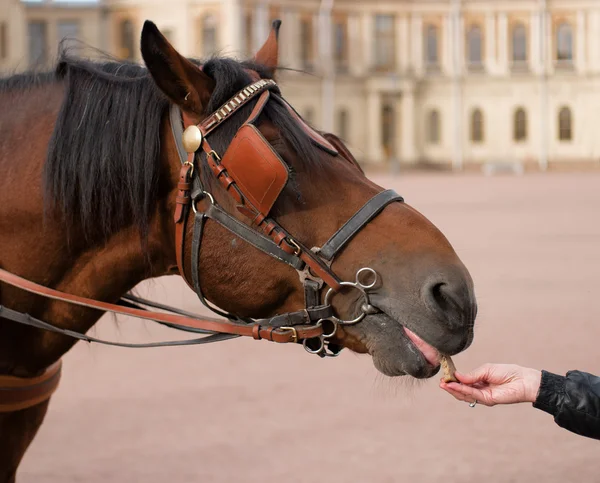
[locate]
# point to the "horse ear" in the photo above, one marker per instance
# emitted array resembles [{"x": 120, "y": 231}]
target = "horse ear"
[
  {"x": 268, "y": 55},
  {"x": 182, "y": 81}
]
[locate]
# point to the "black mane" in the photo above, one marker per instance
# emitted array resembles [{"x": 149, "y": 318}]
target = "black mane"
[{"x": 102, "y": 168}]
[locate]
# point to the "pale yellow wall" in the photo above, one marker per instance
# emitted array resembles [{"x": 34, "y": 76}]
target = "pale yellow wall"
[{"x": 13, "y": 14}]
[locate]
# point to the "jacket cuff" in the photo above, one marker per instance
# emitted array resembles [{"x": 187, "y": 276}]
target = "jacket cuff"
[{"x": 551, "y": 393}]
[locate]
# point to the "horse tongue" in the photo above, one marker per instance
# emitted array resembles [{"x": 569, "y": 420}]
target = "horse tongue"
[{"x": 429, "y": 352}]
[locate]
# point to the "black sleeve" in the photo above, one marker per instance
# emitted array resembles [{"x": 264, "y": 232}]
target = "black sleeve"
[{"x": 574, "y": 401}]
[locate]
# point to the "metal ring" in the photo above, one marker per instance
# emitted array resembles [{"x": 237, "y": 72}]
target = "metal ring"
[
  {"x": 314, "y": 351},
  {"x": 204, "y": 193},
  {"x": 358, "y": 285},
  {"x": 333, "y": 332},
  {"x": 473, "y": 404},
  {"x": 366, "y": 270}
]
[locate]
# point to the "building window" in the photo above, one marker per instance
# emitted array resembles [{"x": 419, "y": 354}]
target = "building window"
[
  {"x": 342, "y": 124},
  {"x": 307, "y": 46},
  {"x": 68, "y": 32},
  {"x": 169, "y": 34},
  {"x": 520, "y": 125},
  {"x": 564, "y": 44},
  {"x": 3, "y": 40},
  {"x": 519, "y": 45},
  {"x": 385, "y": 41},
  {"x": 209, "y": 35},
  {"x": 477, "y": 126},
  {"x": 309, "y": 115},
  {"x": 340, "y": 44},
  {"x": 37, "y": 43},
  {"x": 565, "y": 124},
  {"x": 474, "y": 47},
  {"x": 431, "y": 47},
  {"x": 388, "y": 128},
  {"x": 433, "y": 127},
  {"x": 126, "y": 40}
]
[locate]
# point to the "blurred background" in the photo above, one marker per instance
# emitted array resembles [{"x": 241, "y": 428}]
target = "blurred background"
[
  {"x": 450, "y": 84},
  {"x": 482, "y": 114}
]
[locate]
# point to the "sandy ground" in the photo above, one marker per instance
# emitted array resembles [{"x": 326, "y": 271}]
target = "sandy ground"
[{"x": 257, "y": 412}]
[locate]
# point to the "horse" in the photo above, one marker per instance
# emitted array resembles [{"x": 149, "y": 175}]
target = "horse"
[{"x": 114, "y": 173}]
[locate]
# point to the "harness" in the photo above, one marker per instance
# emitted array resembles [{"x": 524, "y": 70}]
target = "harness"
[{"x": 253, "y": 175}]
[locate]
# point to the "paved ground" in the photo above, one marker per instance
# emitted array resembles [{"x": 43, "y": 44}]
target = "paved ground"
[{"x": 254, "y": 412}]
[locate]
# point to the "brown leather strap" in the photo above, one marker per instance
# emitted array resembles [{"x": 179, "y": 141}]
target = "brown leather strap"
[
  {"x": 17, "y": 393},
  {"x": 279, "y": 335},
  {"x": 182, "y": 207}
]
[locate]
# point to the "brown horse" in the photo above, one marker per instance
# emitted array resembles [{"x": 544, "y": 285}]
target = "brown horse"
[{"x": 90, "y": 181}]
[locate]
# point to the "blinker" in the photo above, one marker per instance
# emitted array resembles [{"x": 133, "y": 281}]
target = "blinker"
[{"x": 192, "y": 139}]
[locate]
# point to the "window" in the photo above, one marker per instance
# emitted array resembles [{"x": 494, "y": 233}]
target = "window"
[
  {"x": 3, "y": 40},
  {"x": 340, "y": 44},
  {"x": 431, "y": 47},
  {"x": 474, "y": 47},
  {"x": 564, "y": 43},
  {"x": 126, "y": 40},
  {"x": 477, "y": 126},
  {"x": 433, "y": 127},
  {"x": 169, "y": 34},
  {"x": 342, "y": 124},
  {"x": 68, "y": 32},
  {"x": 209, "y": 35},
  {"x": 520, "y": 125},
  {"x": 565, "y": 124},
  {"x": 384, "y": 45},
  {"x": 519, "y": 45},
  {"x": 37, "y": 43},
  {"x": 388, "y": 128},
  {"x": 309, "y": 115},
  {"x": 307, "y": 43}
]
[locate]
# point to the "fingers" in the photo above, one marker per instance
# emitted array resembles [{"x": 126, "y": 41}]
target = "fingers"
[
  {"x": 481, "y": 374},
  {"x": 466, "y": 393}
]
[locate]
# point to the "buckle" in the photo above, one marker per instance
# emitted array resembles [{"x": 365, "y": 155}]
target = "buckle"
[{"x": 294, "y": 332}]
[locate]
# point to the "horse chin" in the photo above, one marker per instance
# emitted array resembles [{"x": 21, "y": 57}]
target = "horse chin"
[{"x": 393, "y": 352}]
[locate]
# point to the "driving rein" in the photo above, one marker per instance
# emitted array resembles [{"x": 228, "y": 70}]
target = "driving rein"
[{"x": 254, "y": 175}]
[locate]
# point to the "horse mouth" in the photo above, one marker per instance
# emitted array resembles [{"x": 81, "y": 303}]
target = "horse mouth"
[{"x": 398, "y": 350}]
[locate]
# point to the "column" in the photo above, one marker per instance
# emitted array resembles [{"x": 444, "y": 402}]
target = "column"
[
  {"x": 417, "y": 45},
  {"x": 580, "y": 42},
  {"x": 402, "y": 44},
  {"x": 490, "y": 42},
  {"x": 368, "y": 34},
  {"x": 288, "y": 52},
  {"x": 261, "y": 25},
  {"x": 230, "y": 19},
  {"x": 374, "y": 148},
  {"x": 535, "y": 61},
  {"x": 503, "y": 64},
  {"x": 408, "y": 148},
  {"x": 447, "y": 59}
]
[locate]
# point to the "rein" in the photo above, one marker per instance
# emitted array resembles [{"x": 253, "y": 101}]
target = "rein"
[{"x": 254, "y": 176}]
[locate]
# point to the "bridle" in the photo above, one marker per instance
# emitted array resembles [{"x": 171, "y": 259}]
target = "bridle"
[{"x": 253, "y": 175}]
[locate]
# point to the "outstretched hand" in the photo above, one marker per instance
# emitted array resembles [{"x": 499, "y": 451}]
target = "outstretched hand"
[{"x": 493, "y": 384}]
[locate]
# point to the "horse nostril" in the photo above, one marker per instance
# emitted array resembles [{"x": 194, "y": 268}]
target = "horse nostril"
[
  {"x": 450, "y": 301},
  {"x": 439, "y": 297}
]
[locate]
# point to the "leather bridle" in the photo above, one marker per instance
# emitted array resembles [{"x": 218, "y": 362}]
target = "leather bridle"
[
  {"x": 254, "y": 175},
  {"x": 249, "y": 157}
]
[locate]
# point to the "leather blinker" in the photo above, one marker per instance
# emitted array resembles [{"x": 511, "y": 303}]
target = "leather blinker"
[{"x": 258, "y": 171}]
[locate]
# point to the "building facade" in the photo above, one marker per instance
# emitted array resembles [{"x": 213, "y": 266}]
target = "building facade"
[{"x": 439, "y": 82}]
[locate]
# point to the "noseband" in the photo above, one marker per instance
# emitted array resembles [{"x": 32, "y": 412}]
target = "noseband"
[{"x": 254, "y": 175}]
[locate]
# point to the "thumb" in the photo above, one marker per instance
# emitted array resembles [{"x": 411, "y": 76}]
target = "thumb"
[{"x": 472, "y": 377}]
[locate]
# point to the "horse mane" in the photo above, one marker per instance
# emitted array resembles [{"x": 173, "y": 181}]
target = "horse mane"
[{"x": 103, "y": 168}]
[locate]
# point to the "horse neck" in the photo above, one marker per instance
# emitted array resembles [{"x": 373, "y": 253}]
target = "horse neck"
[{"x": 41, "y": 250}]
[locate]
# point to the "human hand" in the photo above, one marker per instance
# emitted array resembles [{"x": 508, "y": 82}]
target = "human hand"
[{"x": 493, "y": 384}]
